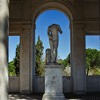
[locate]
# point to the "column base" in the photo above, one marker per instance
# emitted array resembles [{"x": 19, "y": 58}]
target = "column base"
[{"x": 53, "y": 97}]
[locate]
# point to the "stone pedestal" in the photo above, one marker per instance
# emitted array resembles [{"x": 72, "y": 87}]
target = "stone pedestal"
[{"x": 53, "y": 83}]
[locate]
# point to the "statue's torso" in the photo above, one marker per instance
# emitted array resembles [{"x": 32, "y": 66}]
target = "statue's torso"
[{"x": 54, "y": 34}]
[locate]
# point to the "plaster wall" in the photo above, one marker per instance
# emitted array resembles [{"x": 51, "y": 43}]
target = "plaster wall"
[
  {"x": 91, "y": 10},
  {"x": 86, "y": 11}
]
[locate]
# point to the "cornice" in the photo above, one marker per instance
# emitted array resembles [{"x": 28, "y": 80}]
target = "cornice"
[{"x": 39, "y": 2}]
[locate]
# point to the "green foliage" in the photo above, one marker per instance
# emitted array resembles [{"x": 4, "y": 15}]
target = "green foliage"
[
  {"x": 11, "y": 68},
  {"x": 66, "y": 65},
  {"x": 68, "y": 59},
  {"x": 39, "y": 69},
  {"x": 17, "y": 60},
  {"x": 92, "y": 62},
  {"x": 62, "y": 62},
  {"x": 65, "y": 62},
  {"x": 94, "y": 71},
  {"x": 92, "y": 59}
]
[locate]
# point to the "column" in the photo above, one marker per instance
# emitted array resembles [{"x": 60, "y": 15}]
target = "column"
[
  {"x": 78, "y": 57},
  {"x": 32, "y": 57},
  {"x": 4, "y": 15},
  {"x": 25, "y": 60}
]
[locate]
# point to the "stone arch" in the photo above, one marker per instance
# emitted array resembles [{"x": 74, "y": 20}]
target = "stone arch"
[
  {"x": 76, "y": 28},
  {"x": 64, "y": 8},
  {"x": 67, "y": 9}
]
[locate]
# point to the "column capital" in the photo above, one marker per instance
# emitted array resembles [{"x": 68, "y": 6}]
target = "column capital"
[{"x": 78, "y": 26}]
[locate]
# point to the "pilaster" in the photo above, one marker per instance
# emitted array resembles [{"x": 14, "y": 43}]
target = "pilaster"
[
  {"x": 32, "y": 57},
  {"x": 78, "y": 57},
  {"x": 25, "y": 60}
]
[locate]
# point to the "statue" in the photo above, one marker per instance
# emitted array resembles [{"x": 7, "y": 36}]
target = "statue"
[
  {"x": 48, "y": 56},
  {"x": 53, "y": 40}
]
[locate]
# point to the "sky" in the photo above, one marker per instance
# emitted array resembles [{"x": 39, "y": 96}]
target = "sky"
[
  {"x": 13, "y": 42},
  {"x": 93, "y": 42},
  {"x": 43, "y": 21}
]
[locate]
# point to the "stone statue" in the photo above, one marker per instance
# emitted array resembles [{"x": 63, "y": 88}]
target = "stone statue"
[
  {"x": 48, "y": 56},
  {"x": 53, "y": 40}
]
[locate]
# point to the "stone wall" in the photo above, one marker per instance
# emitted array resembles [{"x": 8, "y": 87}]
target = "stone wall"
[
  {"x": 14, "y": 85},
  {"x": 39, "y": 84},
  {"x": 67, "y": 84},
  {"x": 92, "y": 84}
]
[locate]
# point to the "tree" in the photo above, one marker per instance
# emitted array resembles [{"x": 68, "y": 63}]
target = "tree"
[
  {"x": 11, "y": 68},
  {"x": 17, "y": 59},
  {"x": 66, "y": 65},
  {"x": 39, "y": 52},
  {"x": 65, "y": 62},
  {"x": 92, "y": 59},
  {"x": 68, "y": 59}
]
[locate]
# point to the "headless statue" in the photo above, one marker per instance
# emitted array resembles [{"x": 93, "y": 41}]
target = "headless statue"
[{"x": 54, "y": 40}]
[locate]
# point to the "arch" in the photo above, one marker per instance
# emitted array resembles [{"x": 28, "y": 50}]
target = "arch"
[
  {"x": 41, "y": 7},
  {"x": 67, "y": 9}
]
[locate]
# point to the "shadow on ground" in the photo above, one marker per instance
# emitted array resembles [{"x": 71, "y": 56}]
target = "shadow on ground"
[
  {"x": 24, "y": 97},
  {"x": 70, "y": 96}
]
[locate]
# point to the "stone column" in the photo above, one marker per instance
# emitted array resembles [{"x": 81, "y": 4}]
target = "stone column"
[
  {"x": 32, "y": 57},
  {"x": 25, "y": 60},
  {"x": 4, "y": 16},
  {"x": 53, "y": 83},
  {"x": 78, "y": 57}
]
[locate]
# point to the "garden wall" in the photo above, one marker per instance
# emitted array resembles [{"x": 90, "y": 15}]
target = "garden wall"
[{"x": 92, "y": 84}]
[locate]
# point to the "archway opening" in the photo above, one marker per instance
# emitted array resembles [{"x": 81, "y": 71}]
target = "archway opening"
[
  {"x": 14, "y": 56},
  {"x": 43, "y": 21}
]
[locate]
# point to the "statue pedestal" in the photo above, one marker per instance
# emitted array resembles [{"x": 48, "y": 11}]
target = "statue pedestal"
[{"x": 53, "y": 83}]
